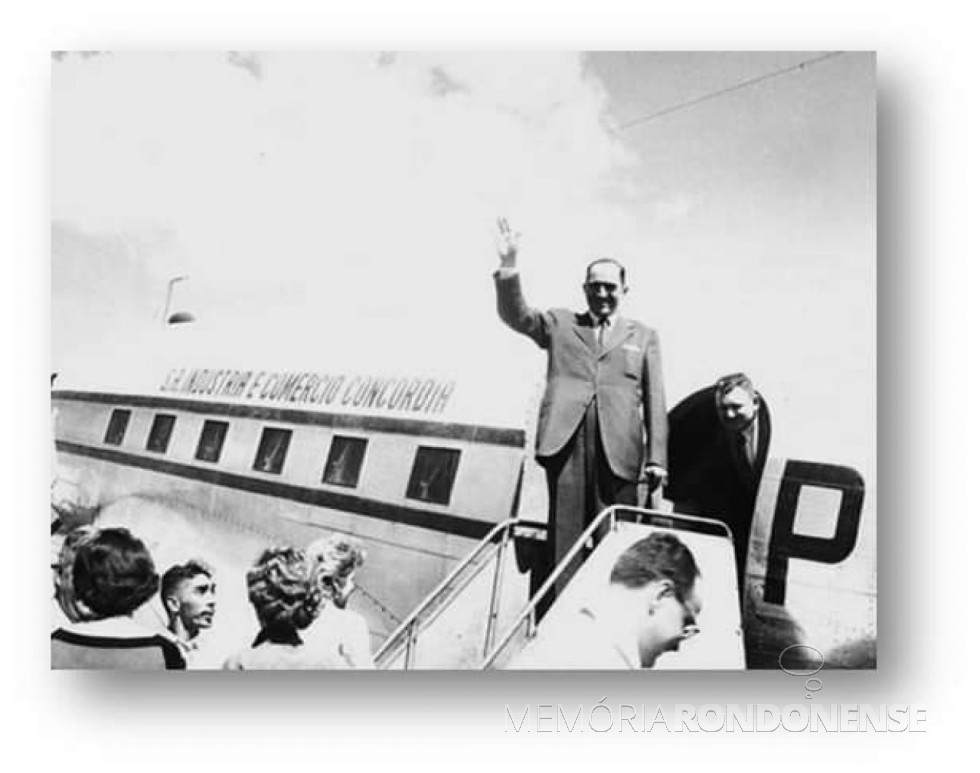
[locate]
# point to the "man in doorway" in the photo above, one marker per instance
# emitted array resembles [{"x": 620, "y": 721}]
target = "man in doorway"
[{"x": 718, "y": 448}]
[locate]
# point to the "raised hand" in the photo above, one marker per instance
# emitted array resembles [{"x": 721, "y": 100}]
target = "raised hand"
[{"x": 507, "y": 243}]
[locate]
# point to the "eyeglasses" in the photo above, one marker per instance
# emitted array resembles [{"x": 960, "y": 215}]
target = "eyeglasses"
[
  {"x": 690, "y": 628},
  {"x": 596, "y": 287}
]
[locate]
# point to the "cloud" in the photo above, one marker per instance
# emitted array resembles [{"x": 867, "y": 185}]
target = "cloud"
[
  {"x": 359, "y": 180},
  {"x": 250, "y": 62},
  {"x": 343, "y": 204}
]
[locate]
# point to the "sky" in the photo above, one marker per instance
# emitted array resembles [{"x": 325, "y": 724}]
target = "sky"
[{"x": 334, "y": 206}]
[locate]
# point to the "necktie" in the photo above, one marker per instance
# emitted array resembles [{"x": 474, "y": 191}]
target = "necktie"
[
  {"x": 745, "y": 440},
  {"x": 603, "y": 324}
]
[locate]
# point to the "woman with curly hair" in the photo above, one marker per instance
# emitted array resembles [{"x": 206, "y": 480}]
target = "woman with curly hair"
[
  {"x": 285, "y": 591},
  {"x": 110, "y": 577},
  {"x": 339, "y": 629}
]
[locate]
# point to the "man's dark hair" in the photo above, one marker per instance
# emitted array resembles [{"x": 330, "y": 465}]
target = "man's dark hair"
[
  {"x": 177, "y": 573},
  {"x": 114, "y": 573},
  {"x": 726, "y": 384},
  {"x": 613, "y": 261},
  {"x": 656, "y": 557}
]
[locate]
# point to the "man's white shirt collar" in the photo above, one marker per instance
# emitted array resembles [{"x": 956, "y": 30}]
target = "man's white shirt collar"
[
  {"x": 610, "y": 324},
  {"x": 595, "y": 319}
]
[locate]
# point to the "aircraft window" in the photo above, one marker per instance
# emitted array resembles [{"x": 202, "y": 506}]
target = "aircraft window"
[
  {"x": 159, "y": 437},
  {"x": 116, "y": 430},
  {"x": 272, "y": 450},
  {"x": 344, "y": 461},
  {"x": 433, "y": 475},
  {"x": 212, "y": 440}
]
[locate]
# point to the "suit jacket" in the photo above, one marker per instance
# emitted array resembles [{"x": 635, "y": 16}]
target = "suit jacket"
[
  {"x": 709, "y": 474},
  {"x": 624, "y": 378}
]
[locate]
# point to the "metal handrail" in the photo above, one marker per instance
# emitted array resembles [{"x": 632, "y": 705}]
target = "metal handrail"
[
  {"x": 410, "y": 627},
  {"x": 613, "y": 514},
  {"x": 677, "y": 520}
]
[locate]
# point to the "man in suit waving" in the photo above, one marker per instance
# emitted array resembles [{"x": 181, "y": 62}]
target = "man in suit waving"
[{"x": 602, "y": 420}]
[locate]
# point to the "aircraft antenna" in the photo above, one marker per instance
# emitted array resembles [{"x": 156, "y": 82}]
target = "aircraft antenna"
[{"x": 726, "y": 90}]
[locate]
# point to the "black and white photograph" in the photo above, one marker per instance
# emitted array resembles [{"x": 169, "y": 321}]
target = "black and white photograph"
[{"x": 478, "y": 360}]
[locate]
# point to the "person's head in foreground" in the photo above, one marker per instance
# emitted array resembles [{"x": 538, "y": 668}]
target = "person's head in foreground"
[
  {"x": 113, "y": 573},
  {"x": 336, "y": 557},
  {"x": 64, "y": 575},
  {"x": 188, "y": 594},
  {"x": 285, "y": 591},
  {"x": 655, "y": 585}
]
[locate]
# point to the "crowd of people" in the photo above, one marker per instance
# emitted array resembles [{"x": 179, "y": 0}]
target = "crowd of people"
[
  {"x": 105, "y": 579},
  {"x": 602, "y": 429}
]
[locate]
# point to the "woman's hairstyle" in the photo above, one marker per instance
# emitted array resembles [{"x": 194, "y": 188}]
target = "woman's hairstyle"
[
  {"x": 283, "y": 588},
  {"x": 64, "y": 575},
  {"x": 113, "y": 573},
  {"x": 336, "y": 555}
]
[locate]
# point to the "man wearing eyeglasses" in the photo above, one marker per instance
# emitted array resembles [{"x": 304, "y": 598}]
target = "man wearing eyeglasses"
[
  {"x": 649, "y": 606},
  {"x": 602, "y": 421}
]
